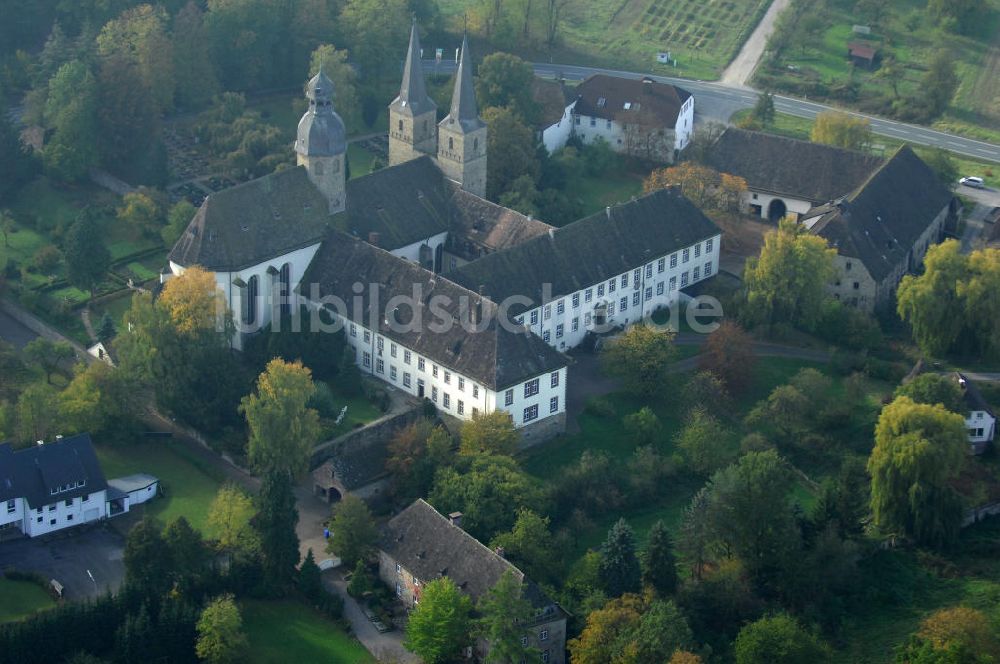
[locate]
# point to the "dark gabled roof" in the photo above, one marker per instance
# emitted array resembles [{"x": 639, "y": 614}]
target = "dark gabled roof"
[
  {"x": 403, "y": 204},
  {"x": 254, "y": 221},
  {"x": 590, "y": 250},
  {"x": 800, "y": 169},
  {"x": 33, "y": 472},
  {"x": 430, "y": 546},
  {"x": 881, "y": 220},
  {"x": 971, "y": 395},
  {"x": 494, "y": 356},
  {"x": 650, "y": 103},
  {"x": 552, "y": 98},
  {"x": 479, "y": 222},
  {"x": 355, "y": 467}
]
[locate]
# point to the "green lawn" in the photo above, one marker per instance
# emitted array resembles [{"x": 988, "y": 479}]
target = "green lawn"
[
  {"x": 702, "y": 36},
  {"x": 115, "y": 307},
  {"x": 188, "y": 485},
  {"x": 288, "y": 631},
  {"x": 20, "y": 599},
  {"x": 598, "y": 192},
  {"x": 360, "y": 411},
  {"x": 360, "y": 160}
]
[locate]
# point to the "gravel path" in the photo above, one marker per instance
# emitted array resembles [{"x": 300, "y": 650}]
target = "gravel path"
[{"x": 740, "y": 70}]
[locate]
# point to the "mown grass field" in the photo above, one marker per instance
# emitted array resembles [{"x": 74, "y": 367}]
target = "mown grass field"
[
  {"x": 910, "y": 37},
  {"x": 188, "y": 486},
  {"x": 288, "y": 631},
  {"x": 20, "y": 599},
  {"x": 702, "y": 36}
]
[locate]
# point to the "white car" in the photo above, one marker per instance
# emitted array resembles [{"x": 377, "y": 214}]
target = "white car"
[{"x": 974, "y": 182}]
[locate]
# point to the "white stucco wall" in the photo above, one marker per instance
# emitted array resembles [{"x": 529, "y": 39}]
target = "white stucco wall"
[
  {"x": 452, "y": 392},
  {"x": 980, "y": 420},
  {"x": 65, "y": 516},
  {"x": 795, "y": 206},
  {"x": 555, "y": 136},
  {"x": 684, "y": 127},
  {"x": 652, "y": 285},
  {"x": 411, "y": 252}
]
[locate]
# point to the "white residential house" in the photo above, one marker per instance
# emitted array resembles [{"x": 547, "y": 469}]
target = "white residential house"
[
  {"x": 636, "y": 116},
  {"x": 57, "y": 485},
  {"x": 980, "y": 422}
]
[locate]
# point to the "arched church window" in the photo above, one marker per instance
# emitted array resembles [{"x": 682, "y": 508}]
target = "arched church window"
[
  {"x": 250, "y": 302},
  {"x": 285, "y": 288}
]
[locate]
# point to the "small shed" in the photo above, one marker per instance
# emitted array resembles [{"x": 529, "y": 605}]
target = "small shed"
[
  {"x": 138, "y": 488},
  {"x": 102, "y": 351},
  {"x": 359, "y": 471},
  {"x": 862, "y": 54}
]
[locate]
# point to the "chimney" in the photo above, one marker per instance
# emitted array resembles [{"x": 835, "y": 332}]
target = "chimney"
[
  {"x": 456, "y": 519},
  {"x": 607, "y": 211},
  {"x": 499, "y": 551},
  {"x": 373, "y": 238},
  {"x": 552, "y": 233}
]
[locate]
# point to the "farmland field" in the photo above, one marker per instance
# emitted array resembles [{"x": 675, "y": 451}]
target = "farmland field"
[{"x": 702, "y": 36}]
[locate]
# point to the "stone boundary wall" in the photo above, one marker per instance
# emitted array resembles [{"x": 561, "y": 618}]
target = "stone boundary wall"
[{"x": 377, "y": 431}]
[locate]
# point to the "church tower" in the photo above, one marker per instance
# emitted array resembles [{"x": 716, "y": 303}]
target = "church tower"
[
  {"x": 412, "y": 115},
  {"x": 462, "y": 135},
  {"x": 321, "y": 144}
]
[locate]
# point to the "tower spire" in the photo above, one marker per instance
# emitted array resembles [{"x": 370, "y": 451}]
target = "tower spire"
[
  {"x": 463, "y": 98},
  {"x": 412, "y": 91}
]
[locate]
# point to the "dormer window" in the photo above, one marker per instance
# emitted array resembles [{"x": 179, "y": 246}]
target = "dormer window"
[
  {"x": 602, "y": 102},
  {"x": 628, "y": 105}
]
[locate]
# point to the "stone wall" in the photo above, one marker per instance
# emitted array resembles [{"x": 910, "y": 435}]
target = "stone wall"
[
  {"x": 378, "y": 431},
  {"x": 542, "y": 430}
]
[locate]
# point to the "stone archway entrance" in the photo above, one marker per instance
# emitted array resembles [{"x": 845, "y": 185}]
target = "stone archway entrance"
[{"x": 776, "y": 210}]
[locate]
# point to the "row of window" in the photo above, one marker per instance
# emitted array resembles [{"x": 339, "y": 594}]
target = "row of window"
[
  {"x": 407, "y": 359},
  {"x": 531, "y": 388},
  {"x": 612, "y": 284},
  {"x": 67, "y": 487},
  {"x": 623, "y": 303},
  {"x": 531, "y": 412}
]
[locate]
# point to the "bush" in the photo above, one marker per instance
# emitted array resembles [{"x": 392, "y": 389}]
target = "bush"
[
  {"x": 601, "y": 407},
  {"x": 891, "y": 372},
  {"x": 323, "y": 401},
  {"x": 46, "y": 258}
]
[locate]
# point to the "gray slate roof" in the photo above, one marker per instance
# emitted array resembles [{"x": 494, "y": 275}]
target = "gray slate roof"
[
  {"x": 321, "y": 132},
  {"x": 355, "y": 467},
  {"x": 799, "y": 169},
  {"x": 972, "y": 396},
  {"x": 463, "y": 98},
  {"x": 413, "y": 99},
  {"x": 254, "y": 221},
  {"x": 403, "y": 204},
  {"x": 33, "y": 472},
  {"x": 651, "y": 103},
  {"x": 496, "y": 357},
  {"x": 590, "y": 250},
  {"x": 881, "y": 220},
  {"x": 429, "y": 546}
]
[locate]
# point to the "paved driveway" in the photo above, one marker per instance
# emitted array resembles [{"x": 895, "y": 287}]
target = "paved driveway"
[{"x": 66, "y": 556}]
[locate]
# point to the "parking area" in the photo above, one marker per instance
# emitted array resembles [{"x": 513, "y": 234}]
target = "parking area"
[{"x": 68, "y": 555}]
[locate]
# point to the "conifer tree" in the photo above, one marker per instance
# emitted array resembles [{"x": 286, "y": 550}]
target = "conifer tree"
[{"x": 619, "y": 569}]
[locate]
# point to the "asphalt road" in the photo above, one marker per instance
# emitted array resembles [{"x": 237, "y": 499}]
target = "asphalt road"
[
  {"x": 13, "y": 332},
  {"x": 717, "y": 102}
]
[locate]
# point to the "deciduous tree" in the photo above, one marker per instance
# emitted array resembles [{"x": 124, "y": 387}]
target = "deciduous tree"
[
  {"x": 528, "y": 545},
  {"x": 353, "y": 531},
  {"x": 229, "y": 519},
  {"x": 275, "y": 525},
  {"x": 178, "y": 218},
  {"x": 778, "y": 639},
  {"x": 841, "y": 130},
  {"x": 221, "y": 639},
  {"x": 699, "y": 183},
  {"x": 728, "y": 354},
  {"x": 38, "y": 413},
  {"x": 489, "y": 433},
  {"x": 196, "y": 82},
  {"x": 48, "y": 355},
  {"x": 704, "y": 442},
  {"x": 140, "y": 213},
  {"x": 930, "y": 302},
  {"x": 283, "y": 429},
  {"x": 335, "y": 65},
  {"x": 504, "y": 611},
  {"x": 511, "y": 145},
  {"x": 639, "y": 356},
  {"x": 933, "y": 389},
  {"x": 415, "y": 453},
  {"x": 147, "y": 558},
  {"x": 505, "y": 81},
  {"x": 439, "y": 627},
  {"x": 919, "y": 449},
  {"x": 787, "y": 282}
]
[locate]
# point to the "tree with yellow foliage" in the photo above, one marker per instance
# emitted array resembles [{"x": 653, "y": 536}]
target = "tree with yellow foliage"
[
  {"x": 283, "y": 429},
  {"x": 841, "y": 130},
  {"x": 193, "y": 301}
]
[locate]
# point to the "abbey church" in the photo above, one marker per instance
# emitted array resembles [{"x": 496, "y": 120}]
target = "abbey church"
[{"x": 307, "y": 235}]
